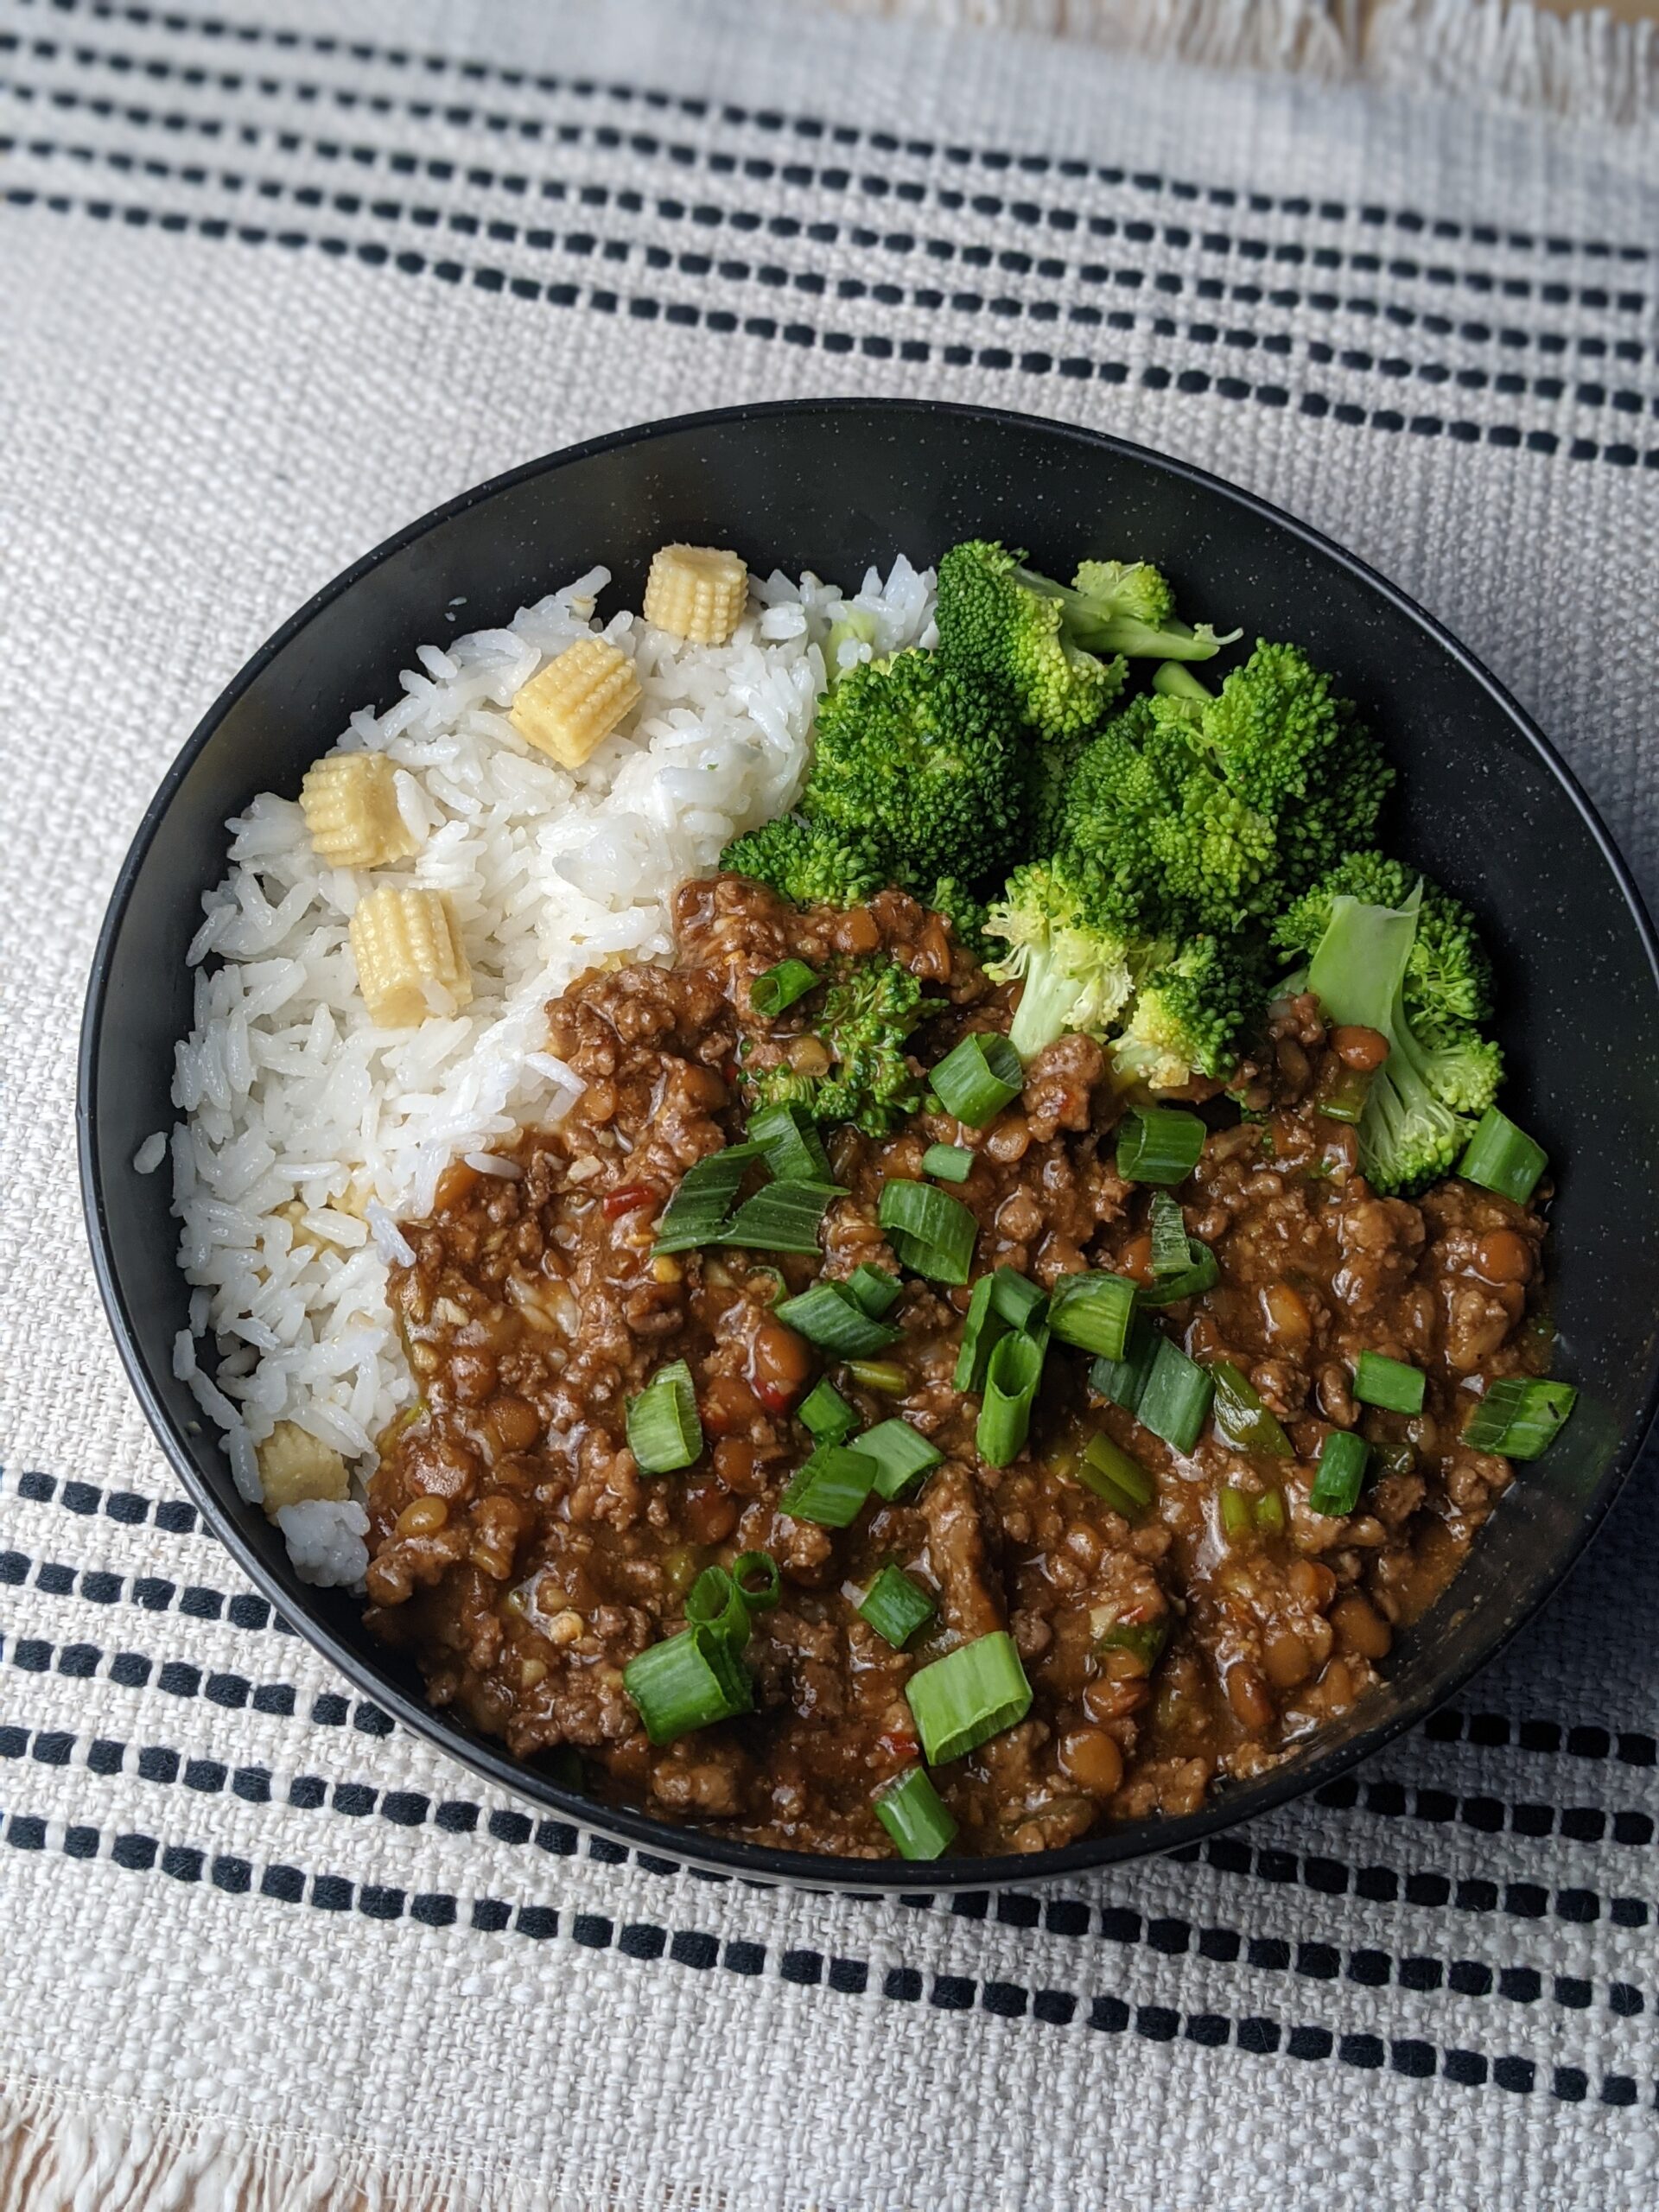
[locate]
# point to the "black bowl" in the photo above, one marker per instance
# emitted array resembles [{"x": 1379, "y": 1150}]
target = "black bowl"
[{"x": 1486, "y": 805}]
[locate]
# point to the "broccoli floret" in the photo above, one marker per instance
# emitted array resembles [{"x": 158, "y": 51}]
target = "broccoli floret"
[
  {"x": 1290, "y": 749},
  {"x": 1424, "y": 1099},
  {"x": 1048, "y": 781},
  {"x": 1014, "y": 625},
  {"x": 870, "y": 1008},
  {"x": 1189, "y": 1013},
  {"x": 807, "y": 863},
  {"x": 1127, "y": 606},
  {"x": 1448, "y": 988},
  {"x": 1077, "y": 950},
  {"x": 1150, "y": 812},
  {"x": 925, "y": 761},
  {"x": 965, "y": 914}
]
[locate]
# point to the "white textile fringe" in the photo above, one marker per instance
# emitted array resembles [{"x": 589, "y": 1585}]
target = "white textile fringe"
[
  {"x": 61, "y": 2152},
  {"x": 1588, "y": 67},
  {"x": 1585, "y": 67},
  {"x": 1299, "y": 35}
]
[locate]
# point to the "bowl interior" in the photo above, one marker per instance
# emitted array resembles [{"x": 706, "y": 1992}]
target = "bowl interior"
[{"x": 1484, "y": 806}]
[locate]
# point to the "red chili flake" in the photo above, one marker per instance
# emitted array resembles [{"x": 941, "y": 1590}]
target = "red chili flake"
[
  {"x": 776, "y": 1398},
  {"x": 899, "y": 1744},
  {"x": 629, "y": 1197}
]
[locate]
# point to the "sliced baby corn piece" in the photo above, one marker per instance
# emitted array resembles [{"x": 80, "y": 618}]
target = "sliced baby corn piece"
[
  {"x": 350, "y": 802},
  {"x": 576, "y": 701},
  {"x": 696, "y": 592},
  {"x": 294, "y": 1465},
  {"x": 405, "y": 942}
]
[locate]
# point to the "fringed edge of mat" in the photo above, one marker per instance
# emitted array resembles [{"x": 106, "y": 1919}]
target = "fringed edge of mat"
[
  {"x": 1586, "y": 68},
  {"x": 1299, "y": 35},
  {"x": 67, "y": 2151}
]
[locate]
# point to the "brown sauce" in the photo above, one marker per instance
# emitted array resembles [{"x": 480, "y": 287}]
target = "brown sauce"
[{"x": 523, "y": 1559}]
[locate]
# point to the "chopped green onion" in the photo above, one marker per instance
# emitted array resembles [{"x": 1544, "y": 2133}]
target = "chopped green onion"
[
  {"x": 1016, "y": 1300},
  {"x": 758, "y": 1577},
  {"x": 1235, "y": 1511},
  {"x": 827, "y": 1415},
  {"x": 1144, "y": 1639},
  {"x": 950, "y": 1163},
  {"x": 783, "y": 1217},
  {"x": 895, "y": 1606},
  {"x": 1159, "y": 1144},
  {"x": 780, "y": 988},
  {"x": 972, "y": 1694},
  {"x": 1270, "y": 1512},
  {"x": 884, "y": 1375},
  {"x": 978, "y": 1078},
  {"x": 1093, "y": 1312},
  {"x": 915, "y": 1816},
  {"x": 827, "y": 1315},
  {"x": 931, "y": 1232},
  {"x": 871, "y": 1289},
  {"x": 1519, "y": 1416},
  {"x": 982, "y": 1327},
  {"x": 686, "y": 1683},
  {"x": 1202, "y": 1272},
  {"x": 790, "y": 1141},
  {"x": 1242, "y": 1422},
  {"x": 697, "y": 1212},
  {"x": 663, "y": 1431},
  {"x": 1015, "y": 1370},
  {"x": 766, "y": 1276},
  {"x": 1390, "y": 1383},
  {"x": 1104, "y": 1467},
  {"x": 902, "y": 1456},
  {"x": 1171, "y": 1254},
  {"x": 1123, "y": 1380},
  {"x": 715, "y": 1602},
  {"x": 830, "y": 1487},
  {"x": 1176, "y": 1399},
  {"x": 1340, "y": 1472},
  {"x": 1502, "y": 1158}
]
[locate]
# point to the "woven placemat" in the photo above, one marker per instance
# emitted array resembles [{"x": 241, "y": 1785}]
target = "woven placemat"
[{"x": 278, "y": 277}]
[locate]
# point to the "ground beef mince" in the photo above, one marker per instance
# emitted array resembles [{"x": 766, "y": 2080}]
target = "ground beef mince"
[{"x": 523, "y": 1559}]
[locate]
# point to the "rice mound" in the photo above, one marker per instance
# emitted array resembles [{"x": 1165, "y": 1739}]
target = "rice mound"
[{"x": 306, "y": 1132}]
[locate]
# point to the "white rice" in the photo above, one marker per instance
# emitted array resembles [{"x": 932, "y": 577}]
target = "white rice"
[{"x": 308, "y": 1133}]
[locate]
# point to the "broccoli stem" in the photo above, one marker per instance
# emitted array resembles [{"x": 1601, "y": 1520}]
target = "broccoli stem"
[
  {"x": 1360, "y": 963},
  {"x": 1045, "y": 1011},
  {"x": 1169, "y": 641},
  {"x": 1178, "y": 683}
]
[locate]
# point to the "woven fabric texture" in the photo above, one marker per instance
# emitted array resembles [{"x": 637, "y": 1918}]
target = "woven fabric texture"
[{"x": 278, "y": 277}]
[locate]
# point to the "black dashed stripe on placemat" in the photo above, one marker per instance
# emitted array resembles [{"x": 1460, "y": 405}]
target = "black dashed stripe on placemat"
[
  {"x": 1423, "y": 1888},
  {"x": 151, "y": 1593},
  {"x": 426, "y": 215},
  {"x": 176, "y": 1516},
  {"x": 648, "y": 307},
  {"x": 1167, "y": 1936},
  {"x": 182, "y": 1678},
  {"x": 999, "y": 160},
  {"x": 1256, "y": 2035},
  {"x": 705, "y": 214},
  {"x": 870, "y": 187}
]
